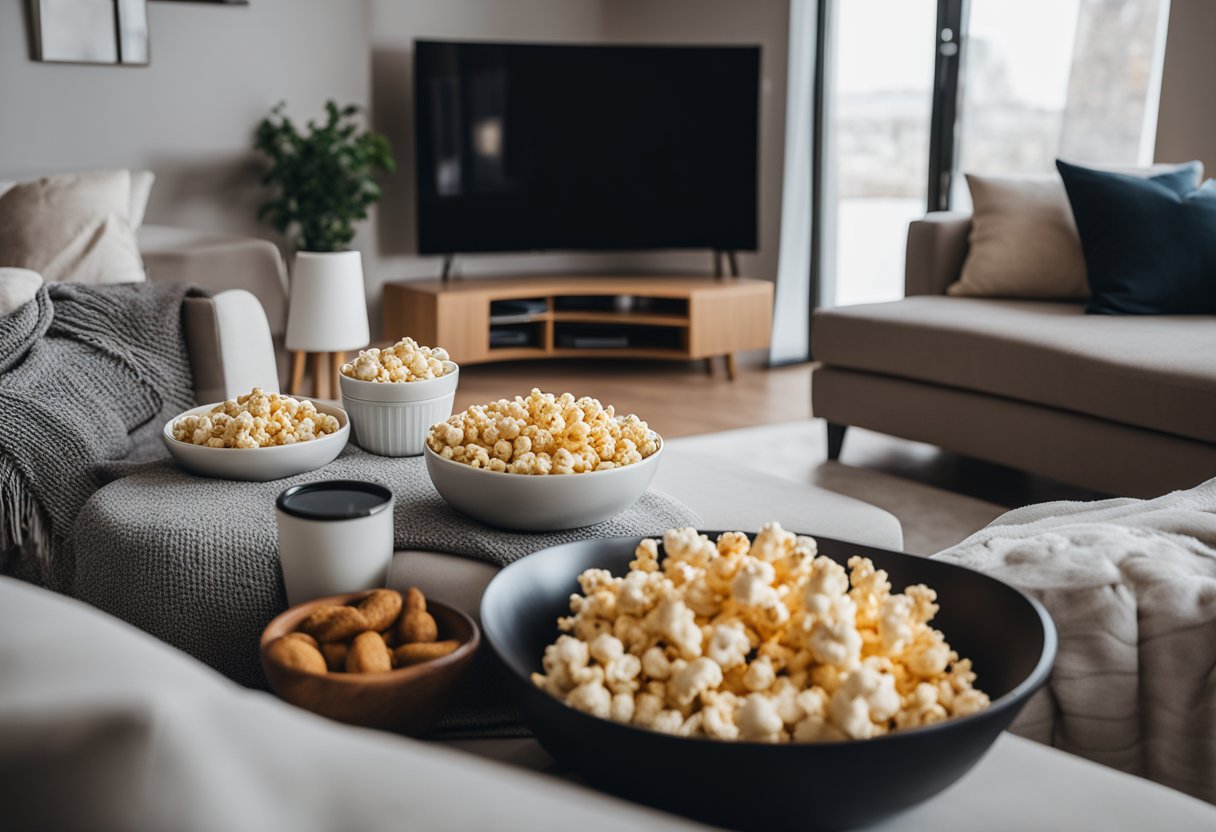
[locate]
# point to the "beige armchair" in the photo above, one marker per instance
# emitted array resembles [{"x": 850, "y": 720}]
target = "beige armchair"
[{"x": 231, "y": 336}]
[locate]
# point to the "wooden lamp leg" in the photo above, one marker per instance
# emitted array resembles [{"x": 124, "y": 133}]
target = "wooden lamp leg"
[
  {"x": 337, "y": 360},
  {"x": 297, "y": 372},
  {"x": 320, "y": 377}
]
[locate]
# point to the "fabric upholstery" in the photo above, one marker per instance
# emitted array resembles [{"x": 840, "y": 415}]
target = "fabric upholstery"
[
  {"x": 1154, "y": 373},
  {"x": 937, "y": 247},
  {"x": 1091, "y": 453},
  {"x": 230, "y": 347},
  {"x": 103, "y": 727},
  {"x": 72, "y": 228}
]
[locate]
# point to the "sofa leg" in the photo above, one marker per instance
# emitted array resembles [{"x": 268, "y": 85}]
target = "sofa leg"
[{"x": 835, "y": 439}]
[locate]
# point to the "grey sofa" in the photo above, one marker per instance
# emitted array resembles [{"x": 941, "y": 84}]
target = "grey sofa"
[{"x": 1124, "y": 405}]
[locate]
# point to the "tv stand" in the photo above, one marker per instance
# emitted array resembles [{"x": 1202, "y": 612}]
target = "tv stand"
[{"x": 661, "y": 317}]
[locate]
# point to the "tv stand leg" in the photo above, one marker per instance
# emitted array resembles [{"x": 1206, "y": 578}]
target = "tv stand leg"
[
  {"x": 446, "y": 274},
  {"x": 730, "y": 366}
]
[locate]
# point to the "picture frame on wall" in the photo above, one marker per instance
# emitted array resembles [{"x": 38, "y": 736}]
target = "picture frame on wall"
[{"x": 113, "y": 32}]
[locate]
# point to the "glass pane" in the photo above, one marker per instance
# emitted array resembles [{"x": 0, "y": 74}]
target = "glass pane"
[
  {"x": 878, "y": 129},
  {"x": 1048, "y": 78}
]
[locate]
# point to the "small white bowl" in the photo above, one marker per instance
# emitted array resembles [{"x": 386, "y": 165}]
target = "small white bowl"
[
  {"x": 258, "y": 464},
  {"x": 541, "y": 503},
  {"x": 392, "y": 418}
]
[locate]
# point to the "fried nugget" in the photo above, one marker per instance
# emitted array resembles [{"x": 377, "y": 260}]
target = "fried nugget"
[
  {"x": 335, "y": 655},
  {"x": 333, "y": 623},
  {"x": 296, "y": 653},
  {"x": 417, "y": 625},
  {"x": 381, "y": 608},
  {"x": 368, "y": 654}
]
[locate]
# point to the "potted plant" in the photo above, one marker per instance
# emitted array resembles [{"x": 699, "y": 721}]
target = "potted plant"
[{"x": 322, "y": 183}]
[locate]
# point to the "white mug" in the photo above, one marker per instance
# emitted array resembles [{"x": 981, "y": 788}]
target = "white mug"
[{"x": 335, "y": 536}]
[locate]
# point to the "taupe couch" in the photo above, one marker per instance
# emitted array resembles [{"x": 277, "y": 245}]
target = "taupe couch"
[{"x": 1123, "y": 405}]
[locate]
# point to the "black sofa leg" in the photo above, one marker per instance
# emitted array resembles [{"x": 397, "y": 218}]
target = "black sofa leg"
[{"x": 835, "y": 439}]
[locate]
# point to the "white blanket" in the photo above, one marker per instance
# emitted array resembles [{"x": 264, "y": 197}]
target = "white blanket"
[{"x": 1131, "y": 585}]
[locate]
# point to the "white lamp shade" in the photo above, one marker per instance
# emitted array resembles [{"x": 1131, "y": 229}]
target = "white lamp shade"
[{"x": 327, "y": 311}]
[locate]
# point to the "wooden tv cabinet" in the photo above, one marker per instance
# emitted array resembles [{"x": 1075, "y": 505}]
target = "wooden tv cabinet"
[{"x": 584, "y": 316}]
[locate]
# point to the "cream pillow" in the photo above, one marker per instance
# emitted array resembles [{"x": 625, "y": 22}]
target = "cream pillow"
[
  {"x": 141, "y": 189},
  {"x": 73, "y": 228},
  {"x": 1024, "y": 242},
  {"x": 17, "y": 288}
]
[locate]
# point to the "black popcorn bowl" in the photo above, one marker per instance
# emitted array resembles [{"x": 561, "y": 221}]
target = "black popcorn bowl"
[{"x": 1008, "y": 636}]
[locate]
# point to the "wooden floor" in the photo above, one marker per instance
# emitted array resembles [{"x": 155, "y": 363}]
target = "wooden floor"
[{"x": 675, "y": 398}]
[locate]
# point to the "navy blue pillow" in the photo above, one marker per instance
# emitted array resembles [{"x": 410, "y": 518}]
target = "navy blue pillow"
[{"x": 1149, "y": 244}]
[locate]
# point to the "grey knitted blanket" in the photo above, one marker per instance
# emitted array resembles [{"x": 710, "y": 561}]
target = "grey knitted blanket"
[
  {"x": 195, "y": 561},
  {"x": 88, "y": 375}
]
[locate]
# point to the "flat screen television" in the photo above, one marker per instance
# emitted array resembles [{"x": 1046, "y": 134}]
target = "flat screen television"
[{"x": 526, "y": 147}]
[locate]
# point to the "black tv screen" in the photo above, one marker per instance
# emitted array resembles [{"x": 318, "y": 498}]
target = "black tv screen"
[{"x": 524, "y": 147}]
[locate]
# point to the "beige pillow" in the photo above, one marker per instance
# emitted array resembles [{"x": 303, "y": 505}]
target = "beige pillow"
[
  {"x": 72, "y": 228},
  {"x": 1024, "y": 242},
  {"x": 141, "y": 189}
]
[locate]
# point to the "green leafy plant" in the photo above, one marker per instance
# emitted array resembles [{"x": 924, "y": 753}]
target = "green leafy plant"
[{"x": 322, "y": 177}]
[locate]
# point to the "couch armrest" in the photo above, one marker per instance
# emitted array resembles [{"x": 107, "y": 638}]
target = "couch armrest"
[
  {"x": 219, "y": 262},
  {"x": 231, "y": 350},
  {"x": 937, "y": 246}
]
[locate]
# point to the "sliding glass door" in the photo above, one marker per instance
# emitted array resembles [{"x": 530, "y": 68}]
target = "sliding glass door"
[
  {"x": 1042, "y": 79},
  {"x": 878, "y": 100},
  {"x": 915, "y": 92}
]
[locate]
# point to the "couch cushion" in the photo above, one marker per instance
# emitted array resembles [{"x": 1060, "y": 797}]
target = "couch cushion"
[{"x": 1151, "y": 372}]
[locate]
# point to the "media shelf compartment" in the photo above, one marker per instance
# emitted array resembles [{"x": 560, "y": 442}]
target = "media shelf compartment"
[
  {"x": 623, "y": 336},
  {"x": 529, "y": 335},
  {"x": 623, "y": 305}
]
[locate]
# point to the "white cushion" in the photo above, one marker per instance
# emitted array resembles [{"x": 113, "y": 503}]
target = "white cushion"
[
  {"x": 17, "y": 288},
  {"x": 73, "y": 228},
  {"x": 1024, "y": 242}
]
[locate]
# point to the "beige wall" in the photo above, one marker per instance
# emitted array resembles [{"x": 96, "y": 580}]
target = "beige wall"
[
  {"x": 396, "y": 23},
  {"x": 189, "y": 116},
  {"x": 1186, "y": 121}
]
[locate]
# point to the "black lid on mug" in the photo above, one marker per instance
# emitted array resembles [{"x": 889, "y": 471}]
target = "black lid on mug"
[{"x": 334, "y": 500}]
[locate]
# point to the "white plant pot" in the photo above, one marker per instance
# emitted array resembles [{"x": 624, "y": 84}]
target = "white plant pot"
[{"x": 328, "y": 307}]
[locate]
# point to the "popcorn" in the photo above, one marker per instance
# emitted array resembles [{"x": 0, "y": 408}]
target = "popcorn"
[
  {"x": 256, "y": 420},
  {"x": 759, "y": 642},
  {"x": 543, "y": 434},
  {"x": 404, "y": 361}
]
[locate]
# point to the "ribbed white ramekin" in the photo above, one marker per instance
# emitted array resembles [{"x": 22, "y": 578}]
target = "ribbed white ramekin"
[
  {"x": 395, "y": 428},
  {"x": 392, "y": 419}
]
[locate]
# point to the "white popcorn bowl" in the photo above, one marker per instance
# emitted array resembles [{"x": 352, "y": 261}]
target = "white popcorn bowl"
[
  {"x": 258, "y": 464},
  {"x": 392, "y": 419},
  {"x": 540, "y": 502}
]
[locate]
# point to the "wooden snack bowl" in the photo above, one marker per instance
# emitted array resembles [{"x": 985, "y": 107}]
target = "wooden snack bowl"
[{"x": 407, "y": 700}]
